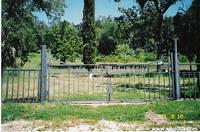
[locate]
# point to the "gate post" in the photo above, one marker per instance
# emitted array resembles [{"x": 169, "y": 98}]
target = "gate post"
[
  {"x": 43, "y": 75},
  {"x": 176, "y": 73}
]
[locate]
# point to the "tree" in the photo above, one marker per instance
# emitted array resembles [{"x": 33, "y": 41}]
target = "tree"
[
  {"x": 89, "y": 32},
  {"x": 20, "y": 28},
  {"x": 187, "y": 27},
  {"x": 161, "y": 7},
  {"x": 107, "y": 44},
  {"x": 106, "y": 35},
  {"x": 65, "y": 44}
]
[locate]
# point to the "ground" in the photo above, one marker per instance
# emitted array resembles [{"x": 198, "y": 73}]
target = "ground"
[
  {"x": 101, "y": 125},
  {"x": 102, "y": 117}
]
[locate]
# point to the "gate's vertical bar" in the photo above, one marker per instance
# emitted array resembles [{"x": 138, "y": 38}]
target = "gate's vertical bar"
[
  {"x": 164, "y": 86},
  {"x": 139, "y": 85},
  {"x": 109, "y": 83},
  {"x": 134, "y": 83},
  {"x": 176, "y": 70},
  {"x": 93, "y": 82},
  {"x": 169, "y": 77},
  {"x": 144, "y": 79},
  {"x": 54, "y": 87},
  {"x": 68, "y": 83},
  {"x": 28, "y": 83},
  {"x": 198, "y": 79},
  {"x": 34, "y": 85},
  {"x": 64, "y": 86},
  {"x": 7, "y": 85},
  {"x": 74, "y": 87},
  {"x": 159, "y": 83},
  {"x": 184, "y": 91},
  {"x": 194, "y": 85},
  {"x": 38, "y": 90},
  {"x": 88, "y": 81},
  {"x": 23, "y": 84},
  {"x": 149, "y": 81},
  {"x": 59, "y": 86},
  {"x": 48, "y": 69},
  {"x": 12, "y": 83},
  {"x": 189, "y": 85},
  {"x": 154, "y": 89},
  {"x": 2, "y": 72},
  {"x": 79, "y": 78}
]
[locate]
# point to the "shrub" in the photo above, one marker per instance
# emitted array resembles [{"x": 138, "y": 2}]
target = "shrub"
[
  {"x": 124, "y": 49},
  {"x": 182, "y": 58}
]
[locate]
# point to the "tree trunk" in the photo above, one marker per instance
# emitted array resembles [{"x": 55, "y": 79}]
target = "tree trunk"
[{"x": 159, "y": 38}]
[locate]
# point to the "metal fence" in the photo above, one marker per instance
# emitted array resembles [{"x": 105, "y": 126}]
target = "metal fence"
[
  {"x": 20, "y": 85},
  {"x": 114, "y": 82},
  {"x": 100, "y": 82}
]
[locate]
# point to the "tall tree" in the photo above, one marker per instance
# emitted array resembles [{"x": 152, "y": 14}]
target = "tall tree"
[
  {"x": 65, "y": 44},
  {"x": 187, "y": 27},
  {"x": 161, "y": 7},
  {"x": 89, "y": 32},
  {"x": 21, "y": 29}
]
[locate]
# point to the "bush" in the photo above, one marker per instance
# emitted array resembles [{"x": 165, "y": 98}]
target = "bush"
[
  {"x": 142, "y": 56},
  {"x": 150, "y": 56},
  {"x": 182, "y": 58},
  {"x": 139, "y": 51},
  {"x": 124, "y": 49}
]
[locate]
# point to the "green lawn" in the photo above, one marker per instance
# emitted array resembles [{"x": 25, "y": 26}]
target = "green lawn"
[{"x": 59, "y": 112}]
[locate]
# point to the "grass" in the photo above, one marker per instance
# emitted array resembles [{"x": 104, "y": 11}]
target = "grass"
[
  {"x": 61, "y": 112},
  {"x": 34, "y": 60}
]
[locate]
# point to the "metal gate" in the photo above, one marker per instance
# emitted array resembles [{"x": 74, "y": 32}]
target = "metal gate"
[
  {"x": 109, "y": 82},
  {"x": 101, "y": 82}
]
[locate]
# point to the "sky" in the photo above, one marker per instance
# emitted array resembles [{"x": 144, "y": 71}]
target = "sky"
[{"x": 74, "y": 9}]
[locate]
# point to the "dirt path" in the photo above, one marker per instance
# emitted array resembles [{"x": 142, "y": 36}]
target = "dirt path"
[
  {"x": 79, "y": 125},
  {"x": 101, "y": 125}
]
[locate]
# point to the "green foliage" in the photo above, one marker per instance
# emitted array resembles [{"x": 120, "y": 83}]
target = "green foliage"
[
  {"x": 145, "y": 56},
  {"x": 124, "y": 49},
  {"x": 65, "y": 44},
  {"x": 89, "y": 44},
  {"x": 21, "y": 31},
  {"x": 34, "y": 61},
  {"x": 105, "y": 35},
  {"x": 182, "y": 58}
]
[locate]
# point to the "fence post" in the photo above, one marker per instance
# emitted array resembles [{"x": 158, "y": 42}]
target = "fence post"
[
  {"x": 176, "y": 71},
  {"x": 43, "y": 76}
]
